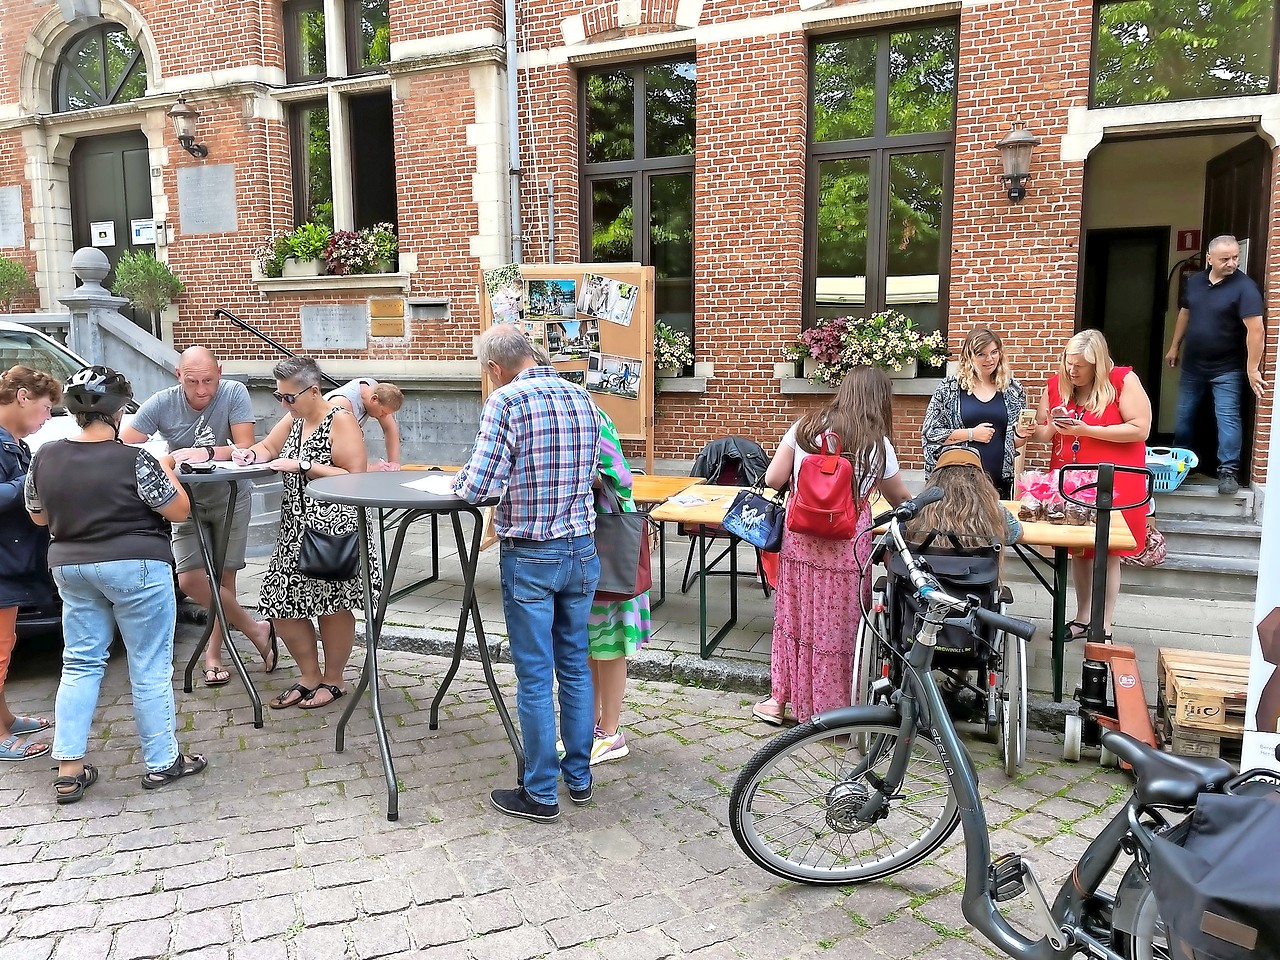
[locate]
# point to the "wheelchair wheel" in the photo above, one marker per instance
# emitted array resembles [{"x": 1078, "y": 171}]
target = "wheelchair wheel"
[
  {"x": 1013, "y": 733},
  {"x": 792, "y": 809},
  {"x": 867, "y": 652}
]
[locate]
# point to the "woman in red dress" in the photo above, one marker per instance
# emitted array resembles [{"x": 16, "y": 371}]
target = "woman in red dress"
[{"x": 1096, "y": 412}]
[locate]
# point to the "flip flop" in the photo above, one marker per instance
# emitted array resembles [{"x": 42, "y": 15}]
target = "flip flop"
[
  {"x": 335, "y": 693},
  {"x": 23, "y": 725},
  {"x": 280, "y": 703},
  {"x": 87, "y": 778},
  {"x": 216, "y": 676},
  {"x": 15, "y": 748},
  {"x": 274, "y": 651}
]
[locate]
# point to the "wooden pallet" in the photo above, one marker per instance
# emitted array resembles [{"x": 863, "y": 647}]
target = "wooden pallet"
[
  {"x": 1190, "y": 742},
  {"x": 1203, "y": 692}
]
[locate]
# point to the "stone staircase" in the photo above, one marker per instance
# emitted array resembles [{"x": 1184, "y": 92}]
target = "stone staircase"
[{"x": 1213, "y": 545}]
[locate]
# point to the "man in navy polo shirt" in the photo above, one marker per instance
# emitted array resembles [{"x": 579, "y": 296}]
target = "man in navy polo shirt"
[{"x": 1220, "y": 323}]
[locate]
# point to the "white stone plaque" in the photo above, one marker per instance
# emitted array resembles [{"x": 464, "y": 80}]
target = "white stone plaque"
[
  {"x": 12, "y": 232},
  {"x": 343, "y": 326},
  {"x": 207, "y": 199}
]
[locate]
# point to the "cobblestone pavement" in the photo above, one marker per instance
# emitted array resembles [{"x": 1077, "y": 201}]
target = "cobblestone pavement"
[{"x": 282, "y": 848}]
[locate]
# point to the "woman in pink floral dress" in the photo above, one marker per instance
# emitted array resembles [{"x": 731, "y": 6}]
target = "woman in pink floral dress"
[{"x": 824, "y": 584}]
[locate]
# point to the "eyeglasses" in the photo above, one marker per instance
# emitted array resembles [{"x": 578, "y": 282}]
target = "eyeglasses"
[{"x": 289, "y": 398}]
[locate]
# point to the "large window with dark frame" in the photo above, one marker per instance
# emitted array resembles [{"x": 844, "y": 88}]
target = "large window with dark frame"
[
  {"x": 366, "y": 155},
  {"x": 637, "y": 176},
  {"x": 1146, "y": 52},
  {"x": 882, "y": 121}
]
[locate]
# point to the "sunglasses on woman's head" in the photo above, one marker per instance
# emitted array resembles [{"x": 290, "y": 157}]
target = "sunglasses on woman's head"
[{"x": 289, "y": 398}]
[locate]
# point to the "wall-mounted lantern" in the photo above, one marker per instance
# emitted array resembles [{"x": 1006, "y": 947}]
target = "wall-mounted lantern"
[
  {"x": 184, "y": 118},
  {"x": 1015, "y": 153}
]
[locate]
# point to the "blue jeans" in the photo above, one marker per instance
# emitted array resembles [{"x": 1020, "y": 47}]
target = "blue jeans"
[
  {"x": 547, "y": 590},
  {"x": 1228, "y": 389},
  {"x": 138, "y": 596}
]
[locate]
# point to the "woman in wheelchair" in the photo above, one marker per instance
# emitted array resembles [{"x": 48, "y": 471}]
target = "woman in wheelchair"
[
  {"x": 970, "y": 512},
  {"x": 960, "y": 537}
]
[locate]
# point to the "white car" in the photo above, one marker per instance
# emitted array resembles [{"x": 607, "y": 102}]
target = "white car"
[{"x": 26, "y": 345}]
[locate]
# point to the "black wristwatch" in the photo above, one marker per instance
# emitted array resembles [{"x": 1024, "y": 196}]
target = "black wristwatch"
[
  {"x": 304, "y": 467},
  {"x": 209, "y": 453}
]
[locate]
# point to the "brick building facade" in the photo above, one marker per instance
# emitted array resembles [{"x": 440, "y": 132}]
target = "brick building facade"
[{"x": 755, "y": 162}]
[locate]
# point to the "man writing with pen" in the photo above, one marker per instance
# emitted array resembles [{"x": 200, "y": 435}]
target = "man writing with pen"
[{"x": 201, "y": 418}]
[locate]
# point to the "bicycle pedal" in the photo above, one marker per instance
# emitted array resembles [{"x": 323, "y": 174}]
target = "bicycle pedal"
[{"x": 1006, "y": 877}]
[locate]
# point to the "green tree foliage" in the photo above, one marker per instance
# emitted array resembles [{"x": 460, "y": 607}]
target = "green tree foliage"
[
  {"x": 1152, "y": 51},
  {"x": 101, "y": 66},
  {"x": 15, "y": 282},
  {"x": 145, "y": 281},
  {"x": 375, "y": 33}
]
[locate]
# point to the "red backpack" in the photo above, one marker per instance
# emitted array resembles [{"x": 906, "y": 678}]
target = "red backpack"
[{"x": 822, "y": 503}]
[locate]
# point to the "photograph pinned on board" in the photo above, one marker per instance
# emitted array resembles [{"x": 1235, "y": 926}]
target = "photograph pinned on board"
[
  {"x": 594, "y": 296},
  {"x": 535, "y": 331},
  {"x": 619, "y": 376},
  {"x": 575, "y": 376},
  {"x": 552, "y": 299},
  {"x": 505, "y": 288},
  {"x": 622, "y": 302},
  {"x": 572, "y": 339}
]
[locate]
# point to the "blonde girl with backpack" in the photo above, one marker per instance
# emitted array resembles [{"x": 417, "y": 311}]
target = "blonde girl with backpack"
[{"x": 823, "y": 583}]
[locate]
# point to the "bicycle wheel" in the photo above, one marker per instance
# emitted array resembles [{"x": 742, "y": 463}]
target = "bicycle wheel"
[
  {"x": 1147, "y": 939},
  {"x": 792, "y": 810}
]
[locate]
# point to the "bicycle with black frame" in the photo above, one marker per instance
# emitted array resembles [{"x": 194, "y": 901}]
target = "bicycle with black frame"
[{"x": 863, "y": 792}]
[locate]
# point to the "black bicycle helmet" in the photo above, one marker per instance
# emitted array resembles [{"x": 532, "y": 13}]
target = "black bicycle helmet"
[{"x": 97, "y": 389}]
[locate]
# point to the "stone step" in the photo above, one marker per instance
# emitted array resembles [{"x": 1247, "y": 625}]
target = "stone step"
[
  {"x": 1199, "y": 497},
  {"x": 1199, "y": 536},
  {"x": 1199, "y": 577}
]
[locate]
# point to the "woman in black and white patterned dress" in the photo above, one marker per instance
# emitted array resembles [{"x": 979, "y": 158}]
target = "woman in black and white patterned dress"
[{"x": 313, "y": 439}]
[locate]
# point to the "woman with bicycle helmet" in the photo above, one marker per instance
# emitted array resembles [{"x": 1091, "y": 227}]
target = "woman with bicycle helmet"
[{"x": 112, "y": 563}]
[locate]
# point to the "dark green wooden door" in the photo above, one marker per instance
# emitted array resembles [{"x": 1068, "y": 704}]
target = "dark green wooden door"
[{"x": 111, "y": 184}]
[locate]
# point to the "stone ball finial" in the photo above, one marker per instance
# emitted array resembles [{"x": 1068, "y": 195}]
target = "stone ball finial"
[{"x": 91, "y": 265}]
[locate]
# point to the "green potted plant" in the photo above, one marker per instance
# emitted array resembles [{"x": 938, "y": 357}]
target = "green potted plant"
[
  {"x": 145, "y": 281},
  {"x": 307, "y": 243},
  {"x": 888, "y": 339},
  {"x": 386, "y": 246},
  {"x": 15, "y": 282},
  {"x": 272, "y": 256},
  {"x": 672, "y": 350}
]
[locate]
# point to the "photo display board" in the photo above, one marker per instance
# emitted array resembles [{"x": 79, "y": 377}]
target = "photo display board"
[{"x": 595, "y": 320}]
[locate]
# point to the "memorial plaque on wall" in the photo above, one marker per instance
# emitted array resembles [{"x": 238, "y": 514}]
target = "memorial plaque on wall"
[
  {"x": 12, "y": 232},
  {"x": 343, "y": 326},
  {"x": 207, "y": 199}
]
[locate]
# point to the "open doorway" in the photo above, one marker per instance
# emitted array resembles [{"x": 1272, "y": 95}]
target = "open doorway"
[{"x": 1151, "y": 206}]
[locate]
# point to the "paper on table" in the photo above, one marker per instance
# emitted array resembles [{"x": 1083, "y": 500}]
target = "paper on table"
[
  {"x": 437, "y": 484},
  {"x": 688, "y": 500},
  {"x": 228, "y": 465}
]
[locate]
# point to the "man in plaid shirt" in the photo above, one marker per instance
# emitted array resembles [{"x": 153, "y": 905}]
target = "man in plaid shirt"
[{"x": 537, "y": 448}]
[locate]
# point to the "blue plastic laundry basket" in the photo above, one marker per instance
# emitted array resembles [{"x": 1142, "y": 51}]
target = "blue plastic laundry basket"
[{"x": 1169, "y": 466}]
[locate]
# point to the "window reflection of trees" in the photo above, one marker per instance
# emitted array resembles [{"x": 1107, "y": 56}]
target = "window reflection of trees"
[
  {"x": 880, "y": 199},
  {"x": 101, "y": 66},
  {"x": 639, "y": 124},
  {"x": 1154, "y": 51}
]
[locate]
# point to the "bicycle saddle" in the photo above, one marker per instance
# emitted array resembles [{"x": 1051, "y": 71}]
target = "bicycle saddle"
[{"x": 1165, "y": 779}]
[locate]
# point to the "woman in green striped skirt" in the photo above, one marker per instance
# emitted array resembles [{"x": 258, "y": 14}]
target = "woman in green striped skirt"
[{"x": 615, "y": 630}]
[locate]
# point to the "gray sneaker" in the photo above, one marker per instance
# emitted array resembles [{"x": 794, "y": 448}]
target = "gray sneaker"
[{"x": 1227, "y": 483}]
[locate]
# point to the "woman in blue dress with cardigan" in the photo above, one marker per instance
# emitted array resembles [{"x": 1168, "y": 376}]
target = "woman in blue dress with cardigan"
[{"x": 978, "y": 407}]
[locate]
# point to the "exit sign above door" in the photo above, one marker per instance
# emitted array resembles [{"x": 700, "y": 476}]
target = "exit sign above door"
[{"x": 1188, "y": 240}]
